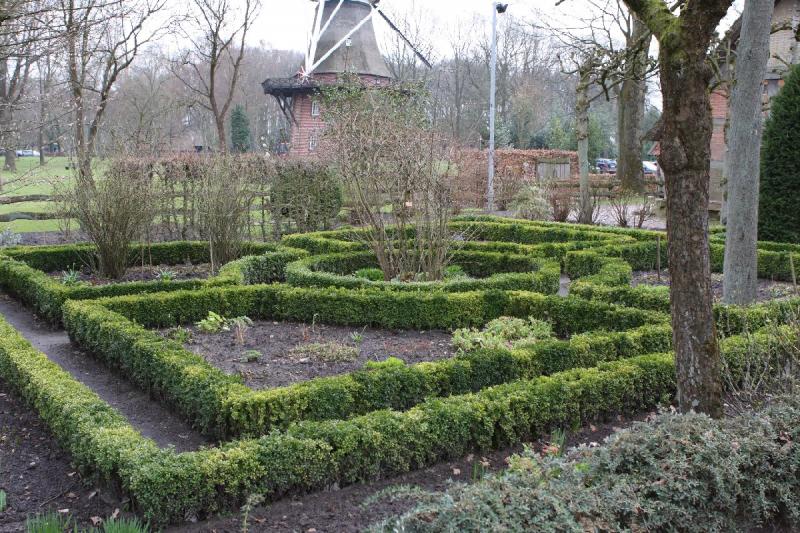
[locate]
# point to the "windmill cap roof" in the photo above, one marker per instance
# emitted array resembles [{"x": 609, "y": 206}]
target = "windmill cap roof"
[{"x": 362, "y": 55}]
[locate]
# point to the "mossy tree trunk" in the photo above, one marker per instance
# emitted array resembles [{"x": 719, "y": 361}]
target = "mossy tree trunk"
[{"x": 685, "y": 135}]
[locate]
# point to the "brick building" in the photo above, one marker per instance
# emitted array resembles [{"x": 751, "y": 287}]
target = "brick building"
[
  {"x": 784, "y": 51},
  {"x": 344, "y": 42}
]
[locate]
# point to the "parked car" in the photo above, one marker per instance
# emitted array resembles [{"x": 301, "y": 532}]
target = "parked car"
[
  {"x": 606, "y": 166},
  {"x": 650, "y": 168},
  {"x": 27, "y": 153}
]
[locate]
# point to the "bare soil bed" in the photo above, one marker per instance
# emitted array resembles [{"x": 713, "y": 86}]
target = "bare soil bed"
[
  {"x": 287, "y": 353},
  {"x": 767, "y": 289},
  {"x": 353, "y": 508},
  {"x": 144, "y": 273}
]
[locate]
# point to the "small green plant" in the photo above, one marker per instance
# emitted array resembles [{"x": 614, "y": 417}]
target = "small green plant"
[
  {"x": 3, "y": 501},
  {"x": 480, "y": 469},
  {"x": 503, "y": 332},
  {"x": 252, "y": 501},
  {"x": 165, "y": 275},
  {"x": 357, "y": 337},
  {"x": 240, "y": 325},
  {"x": 124, "y": 525},
  {"x": 455, "y": 272},
  {"x": 251, "y": 356},
  {"x": 71, "y": 277},
  {"x": 181, "y": 335},
  {"x": 213, "y": 323},
  {"x": 372, "y": 274},
  {"x": 326, "y": 352},
  {"x": 49, "y": 523}
]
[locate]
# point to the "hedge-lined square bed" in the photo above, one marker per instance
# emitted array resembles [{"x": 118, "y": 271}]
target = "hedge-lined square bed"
[{"x": 275, "y": 354}]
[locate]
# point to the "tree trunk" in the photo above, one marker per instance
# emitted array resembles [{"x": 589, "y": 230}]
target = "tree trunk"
[
  {"x": 582, "y": 120},
  {"x": 686, "y": 160},
  {"x": 631, "y": 111},
  {"x": 10, "y": 163},
  {"x": 744, "y": 154},
  {"x": 9, "y": 138}
]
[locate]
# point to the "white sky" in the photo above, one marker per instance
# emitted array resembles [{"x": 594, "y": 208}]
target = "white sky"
[{"x": 286, "y": 24}]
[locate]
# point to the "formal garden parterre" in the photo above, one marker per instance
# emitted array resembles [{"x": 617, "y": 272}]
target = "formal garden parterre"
[{"x": 609, "y": 355}]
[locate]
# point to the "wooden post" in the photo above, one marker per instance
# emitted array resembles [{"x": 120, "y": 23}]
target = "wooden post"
[
  {"x": 658, "y": 257},
  {"x": 794, "y": 274}
]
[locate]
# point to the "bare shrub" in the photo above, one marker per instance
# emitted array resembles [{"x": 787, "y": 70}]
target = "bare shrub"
[
  {"x": 764, "y": 365},
  {"x": 561, "y": 201},
  {"x": 113, "y": 211},
  {"x": 631, "y": 209},
  {"x": 223, "y": 197},
  {"x": 396, "y": 169}
]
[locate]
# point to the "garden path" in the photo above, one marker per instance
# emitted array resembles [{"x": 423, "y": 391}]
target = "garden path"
[{"x": 145, "y": 414}]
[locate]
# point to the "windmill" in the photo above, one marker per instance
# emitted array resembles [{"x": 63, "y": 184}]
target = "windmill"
[{"x": 342, "y": 41}]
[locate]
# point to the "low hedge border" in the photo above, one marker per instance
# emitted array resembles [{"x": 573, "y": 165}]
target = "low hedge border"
[
  {"x": 493, "y": 270},
  {"x": 22, "y": 273},
  {"x": 169, "y": 487},
  {"x": 46, "y": 295},
  {"x": 220, "y": 405}
]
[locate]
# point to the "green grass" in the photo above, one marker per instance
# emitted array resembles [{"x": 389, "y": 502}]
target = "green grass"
[
  {"x": 31, "y": 226},
  {"x": 36, "y": 179}
]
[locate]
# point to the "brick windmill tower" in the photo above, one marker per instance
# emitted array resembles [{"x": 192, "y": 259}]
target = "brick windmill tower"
[{"x": 342, "y": 41}]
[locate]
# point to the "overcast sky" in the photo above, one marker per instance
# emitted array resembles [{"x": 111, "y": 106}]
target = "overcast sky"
[{"x": 286, "y": 24}]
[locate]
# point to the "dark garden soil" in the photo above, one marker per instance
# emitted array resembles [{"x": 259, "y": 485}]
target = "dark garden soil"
[
  {"x": 277, "y": 365},
  {"x": 145, "y": 273},
  {"x": 767, "y": 289},
  {"x": 37, "y": 475},
  {"x": 344, "y": 511},
  {"x": 149, "y": 417}
]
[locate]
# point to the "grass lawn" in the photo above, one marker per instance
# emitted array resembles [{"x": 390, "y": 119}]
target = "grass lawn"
[{"x": 34, "y": 179}]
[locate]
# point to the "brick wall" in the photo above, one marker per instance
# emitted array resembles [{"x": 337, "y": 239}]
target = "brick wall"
[{"x": 309, "y": 126}]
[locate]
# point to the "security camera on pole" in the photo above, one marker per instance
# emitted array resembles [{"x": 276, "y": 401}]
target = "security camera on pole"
[{"x": 497, "y": 8}]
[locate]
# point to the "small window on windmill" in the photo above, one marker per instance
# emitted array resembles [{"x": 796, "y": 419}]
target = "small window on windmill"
[
  {"x": 313, "y": 141},
  {"x": 315, "y": 108}
]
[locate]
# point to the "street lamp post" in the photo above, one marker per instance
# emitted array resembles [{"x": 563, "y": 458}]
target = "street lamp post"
[{"x": 497, "y": 8}]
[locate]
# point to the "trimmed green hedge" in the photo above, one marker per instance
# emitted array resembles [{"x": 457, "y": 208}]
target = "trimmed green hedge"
[
  {"x": 46, "y": 295},
  {"x": 169, "y": 487},
  {"x": 220, "y": 405},
  {"x": 22, "y": 272},
  {"x": 493, "y": 270}
]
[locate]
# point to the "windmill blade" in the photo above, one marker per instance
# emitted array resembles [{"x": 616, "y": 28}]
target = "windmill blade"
[{"x": 392, "y": 25}]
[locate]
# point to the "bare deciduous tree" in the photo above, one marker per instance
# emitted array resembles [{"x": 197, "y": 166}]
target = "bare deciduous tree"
[
  {"x": 101, "y": 39},
  {"x": 210, "y": 69}
]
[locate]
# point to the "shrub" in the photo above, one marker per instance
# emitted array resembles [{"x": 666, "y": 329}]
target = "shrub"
[
  {"x": 676, "y": 473},
  {"x": 531, "y": 203},
  {"x": 503, "y": 332},
  {"x": 223, "y": 197},
  {"x": 390, "y": 155},
  {"x": 306, "y": 193},
  {"x": 9, "y": 238},
  {"x": 778, "y": 216},
  {"x": 114, "y": 211}
]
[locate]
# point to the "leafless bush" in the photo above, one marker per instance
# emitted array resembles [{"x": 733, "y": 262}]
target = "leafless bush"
[
  {"x": 561, "y": 200},
  {"x": 631, "y": 209},
  {"x": 223, "y": 197},
  {"x": 397, "y": 170},
  {"x": 765, "y": 364},
  {"x": 113, "y": 211}
]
